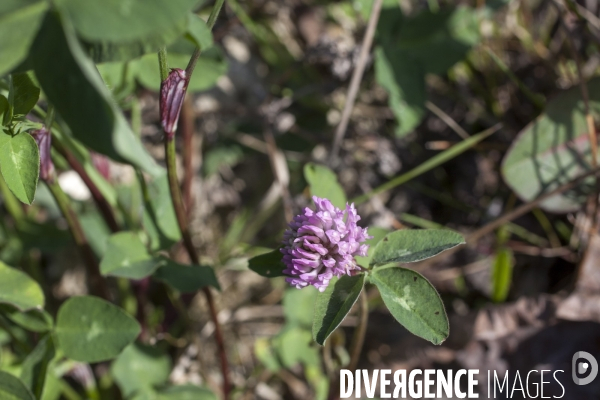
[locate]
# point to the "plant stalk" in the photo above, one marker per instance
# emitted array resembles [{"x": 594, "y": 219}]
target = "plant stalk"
[
  {"x": 178, "y": 205},
  {"x": 212, "y": 18},
  {"x": 191, "y": 250},
  {"x": 170, "y": 155}
]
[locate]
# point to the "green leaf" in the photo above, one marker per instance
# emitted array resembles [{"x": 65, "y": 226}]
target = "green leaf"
[
  {"x": 411, "y": 47},
  {"x": 264, "y": 353},
  {"x": 35, "y": 320},
  {"x": 26, "y": 93},
  {"x": 198, "y": 32},
  {"x": 405, "y": 83},
  {"x": 120, "y": 22},
  {"x": 334, "y": 304},
  {"x": 72, "y": 83},
  {"x": 438, "y": 40},
  {"x": 163, "y": 213},
  {"x": 186, "y": 278},
  {"x": 20, "y": 164},
  {"x": 553, "y": 150},
  {"x": 298, "y": 306},
  {"x": 323, "y": 183},
  {"x": 413, "y": 301},
  {"x": 411, "y": 245},
  {"x": 268, "y": 265},
  {"x": 186, "y": 392},
  {"x": 294, "y": 346},
  {"x": 107, "y": 51},
  {"x": 89, "y": 329},
  {"x": 502, "y": 274},
  {"x": 35, "y": 366},
  {"x": 19, "y": 290},
  {"x": 139, "y": 367},
  {"x": 11, "y": 388},
  {"x": 96, "y": 231},
  {"x": 19, "y": 22},
  {"x": 127, "y": 257}
]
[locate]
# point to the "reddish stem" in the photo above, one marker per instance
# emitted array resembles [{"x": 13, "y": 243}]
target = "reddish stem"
[{"x": 101, "y": 202}]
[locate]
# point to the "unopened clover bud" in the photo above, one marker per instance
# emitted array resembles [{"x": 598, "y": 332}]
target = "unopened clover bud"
[
  {"x": 43, "y": 139},
  {"x": 172, "y": 93}
]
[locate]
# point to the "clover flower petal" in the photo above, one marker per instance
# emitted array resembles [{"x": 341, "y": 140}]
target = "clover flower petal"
[{"x": 321, "y": 244}]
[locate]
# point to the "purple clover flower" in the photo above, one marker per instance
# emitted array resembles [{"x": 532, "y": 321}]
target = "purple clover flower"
[{"x": 321, "y": 244}]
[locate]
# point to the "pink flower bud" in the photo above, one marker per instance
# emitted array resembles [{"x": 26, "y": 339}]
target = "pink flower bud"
[
  {"x": 172, "y": 93},
  {"x": 43, "y": 139},
  {"x": 101, "y": 163}
]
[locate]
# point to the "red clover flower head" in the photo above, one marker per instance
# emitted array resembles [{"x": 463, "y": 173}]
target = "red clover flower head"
[
  {"x": 321, "y": 244},
  {"x": 43, "y": 138},
  {"x": 172, "y": 93}
]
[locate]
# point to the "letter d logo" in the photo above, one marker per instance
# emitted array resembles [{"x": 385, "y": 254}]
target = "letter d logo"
[{"x": 583, "y": 367}]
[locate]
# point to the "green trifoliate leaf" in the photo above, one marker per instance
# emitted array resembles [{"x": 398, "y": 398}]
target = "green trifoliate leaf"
[
  {"x": 411, "y": 245},
  {"x": 89, "y": 329},
  {"x": 413, "y": 301}
]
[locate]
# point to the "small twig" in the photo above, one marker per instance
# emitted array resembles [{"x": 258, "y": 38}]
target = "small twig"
[
  {"x": 357, "y": 77},
  {"x": 447, "y": 119}
]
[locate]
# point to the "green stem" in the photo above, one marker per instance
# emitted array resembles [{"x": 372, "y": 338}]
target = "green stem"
[
  {"x": 98, "y": 283},
  {"x": 170, "y": 155},
  {"x": 49, "y": 120},
  {"x": 163, "y": 64},
  {"x": 191, "y": 250},
  {"x": 212, "y": 18},
  {"x": 178, "y": 201}
]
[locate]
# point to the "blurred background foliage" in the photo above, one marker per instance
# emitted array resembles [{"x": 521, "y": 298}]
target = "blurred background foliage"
[{"x": 466, "y": 110}]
